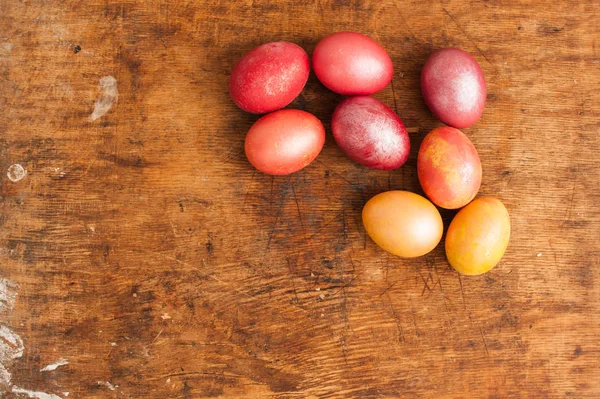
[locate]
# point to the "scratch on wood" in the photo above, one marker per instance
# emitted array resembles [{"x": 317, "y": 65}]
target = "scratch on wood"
[
  {"x": 270, "y": 238},
  {"x": 248, "y": 191},
  {"x": 344, "y": 227},
  {"x": 291, "y": 277},
  {"x": 199, "y": 373},
  {"x": 462, "y": 292},
  {"x": 396, "y": 318},
  {"x": 394, "y": 96},
  {"x": 405, "y": 24},
  {"x": 202, "y": 274},
  {"x": 425, "y": 282},
  {"x": 484, "y": 342},
  {"x": 350, "y": 257},
  {"x": 336, "y": 217},
  {"x": 353, "y": 185},
  {"x": 349, "y": 284},
  {"x": 26, "y": 31},
  {"x": 467, "y": 36},
  {"x": 155, "y": 338},
  {"x": 266, "y": 251},
  {"x": 299, "y": 213},
  {"x": 415, "y": 326},
  {"x": 389, "y": 287}
]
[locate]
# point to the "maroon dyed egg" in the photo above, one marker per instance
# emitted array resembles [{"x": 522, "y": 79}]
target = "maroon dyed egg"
[
  {"x": 370, "y": 133},
  {"x": 453, "y": 86},
  {"x": 351, "y": 63},
  {"x": 269, "y": 77}
]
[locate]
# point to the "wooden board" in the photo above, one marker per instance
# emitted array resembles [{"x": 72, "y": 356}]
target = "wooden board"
[{"x": 143, "y": 250}]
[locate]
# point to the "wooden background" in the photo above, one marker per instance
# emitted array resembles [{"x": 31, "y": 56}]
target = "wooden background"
[{"x": 145, "y": 251}]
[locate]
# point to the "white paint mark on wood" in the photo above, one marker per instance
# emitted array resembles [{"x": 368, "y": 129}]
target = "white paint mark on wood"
[
  {"x": 35, "y": 394},
  {"x": 60, "y": 173},
  {"x": 54, "y": 366},
  {"x": 7, "y": 47},
  {"x": 8, "y": 294},
  {"x": 16, "y": 172},
  {"x": 108, "y": 385},
  {"x": 11, "y": 348},
  {"x": 11, "y": 345},
  {"x": 108, "y": 94},
  {"x": 5, "y": 378}
]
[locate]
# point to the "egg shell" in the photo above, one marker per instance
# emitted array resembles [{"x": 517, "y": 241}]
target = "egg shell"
[
  {"x": 453, "y": 86},
  {"x": 449, "y": 168},
  {"x": 269, "y": 77},
  {"x": 370, "y": 133},
  {"x": 403, "y": 223},
  {"x": 351, "y": 64},
  {"x": 284, "y": 141},
  {"x": 478, "y": 236}
]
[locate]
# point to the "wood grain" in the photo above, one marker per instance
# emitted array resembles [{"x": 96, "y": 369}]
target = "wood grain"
[{"x": 151, "y": 256}]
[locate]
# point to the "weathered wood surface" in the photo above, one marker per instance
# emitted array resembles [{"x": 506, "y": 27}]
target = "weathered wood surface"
[{"x": 145, "y": 251}]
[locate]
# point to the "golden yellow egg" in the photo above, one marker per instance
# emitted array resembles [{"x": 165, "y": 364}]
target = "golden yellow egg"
[
  {"x": 478, "y": 236},
  {"x": 403, "y": 223}
]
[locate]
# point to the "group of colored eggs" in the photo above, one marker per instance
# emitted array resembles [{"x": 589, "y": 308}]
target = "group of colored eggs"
[{"x": 405, "y": 224}]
